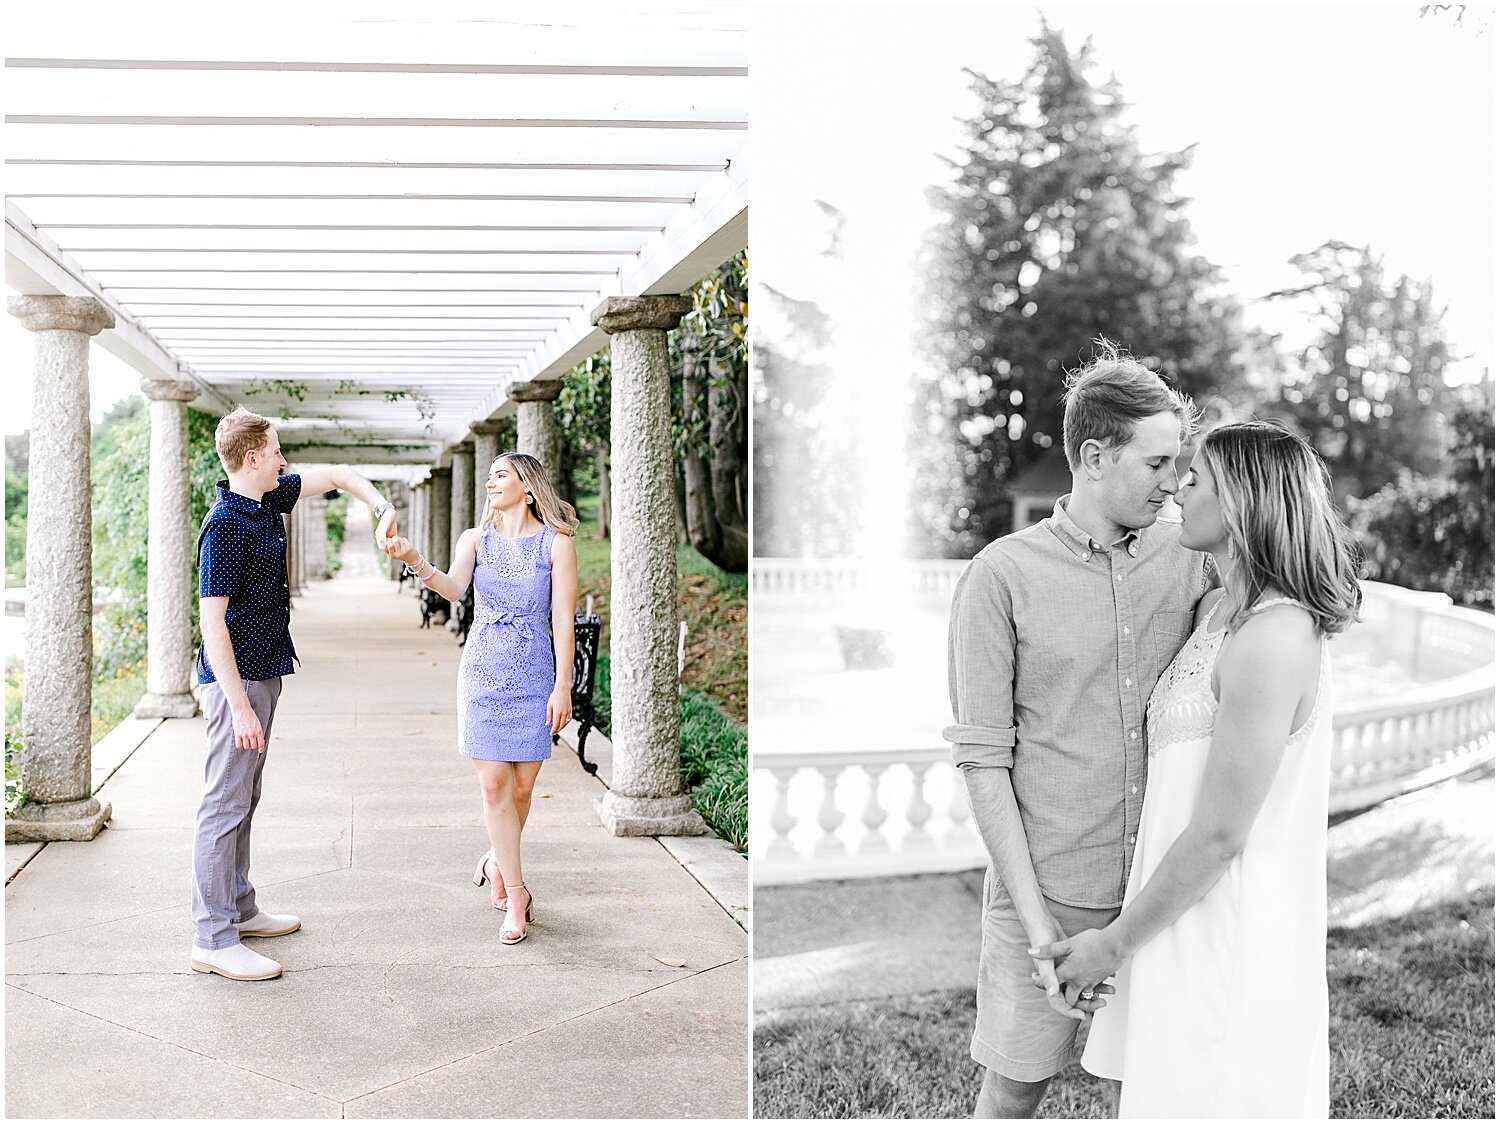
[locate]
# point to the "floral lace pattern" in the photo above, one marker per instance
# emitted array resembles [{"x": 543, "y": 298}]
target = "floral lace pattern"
[
  {"x": 1183, "y": 707},
  {"x": 505, "y": 676}
]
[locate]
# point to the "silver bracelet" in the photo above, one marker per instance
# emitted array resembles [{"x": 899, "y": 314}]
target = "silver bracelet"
[{"x": 417, "y": 572}]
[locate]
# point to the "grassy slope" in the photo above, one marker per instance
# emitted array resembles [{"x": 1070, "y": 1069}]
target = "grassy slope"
[
  {"x": 1412, "y": 1031},
  {"x": 715, "y": 698}
]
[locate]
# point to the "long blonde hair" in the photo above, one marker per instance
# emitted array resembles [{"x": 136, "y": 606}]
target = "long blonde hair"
[
  {"x": 1285, "y": 533},
  {"x": 548, "y": 507}
]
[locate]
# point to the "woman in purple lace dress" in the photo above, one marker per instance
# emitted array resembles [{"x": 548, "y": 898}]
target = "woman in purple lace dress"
[{"x": 515, "y": 680}]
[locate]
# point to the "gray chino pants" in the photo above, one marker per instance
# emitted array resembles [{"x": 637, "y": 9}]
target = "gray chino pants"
[{"x": 222, "y": 893}]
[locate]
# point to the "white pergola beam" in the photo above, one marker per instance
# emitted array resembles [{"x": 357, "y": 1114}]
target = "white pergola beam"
[{"x": 35, "y": 266}]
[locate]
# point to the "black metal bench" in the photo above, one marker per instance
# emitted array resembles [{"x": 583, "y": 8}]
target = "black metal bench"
[
  {"x": 433, "y": 604},
  {"x": 465, "y": 616},
  {"x": 585, "y": 666}
]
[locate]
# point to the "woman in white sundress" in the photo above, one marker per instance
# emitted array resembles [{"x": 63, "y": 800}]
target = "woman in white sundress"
[{"x": 1221, "y": 1004}]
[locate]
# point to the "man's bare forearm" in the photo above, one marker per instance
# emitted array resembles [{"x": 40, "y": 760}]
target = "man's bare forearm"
[
  {"x": 998, "y": 818},
  {"x": 219, "y": 649},
  {"x": 348, "y": 480}
]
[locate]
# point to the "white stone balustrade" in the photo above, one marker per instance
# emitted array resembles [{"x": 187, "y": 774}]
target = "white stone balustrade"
[{"x": 834, "y": 813}]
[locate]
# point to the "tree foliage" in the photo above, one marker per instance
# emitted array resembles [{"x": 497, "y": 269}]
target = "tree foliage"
[
  {"x": 121, "y": 492},
  {"x": 805, "y": 499},
  {"x": 17, "y": 473},
  {"x": 710, "y": 426},
  {"x": 1057, "y": 229},
  {"x": 1438, "y": 531},
  {"x": 1369, "y": 390},
  {"x": 712, "y": 429}
]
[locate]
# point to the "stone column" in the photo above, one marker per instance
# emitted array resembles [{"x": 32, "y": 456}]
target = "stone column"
[
  {"x": 170, "y": 540},
  {"x": 537, "y": 432},
  {"x": 419, "y": 532},
  {"x": 293, "y": 524},
  {"x": 646, "y": 795},
  {"x": 486, "y": 449},
  {"x": 440, "y": 518},
  {"x": 315, "y": 544},
  {"x": 461, "y": 501},
  {"x": 463, "y": 488},
  {"x": 400, "y": 497},
  {"x": 56, "y": 763}
]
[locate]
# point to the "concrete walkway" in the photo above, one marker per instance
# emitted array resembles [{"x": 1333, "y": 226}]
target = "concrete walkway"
[
  {"x": 826, "y": 943},
  {"x": 398, "y": 1000}
]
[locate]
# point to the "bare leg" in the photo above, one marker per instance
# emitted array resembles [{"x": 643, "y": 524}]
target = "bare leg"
[
  {"x": 1001, "y": 1098},
  {"x": 497, "y": 783},
  {"x": 526, "y": 772}
]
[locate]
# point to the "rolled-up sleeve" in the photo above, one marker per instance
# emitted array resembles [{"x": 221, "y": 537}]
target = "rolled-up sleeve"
[{"x": 981, "y": 670}]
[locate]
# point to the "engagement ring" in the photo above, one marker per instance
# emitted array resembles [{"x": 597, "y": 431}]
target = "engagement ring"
[{"x": 1086, "y": 994}]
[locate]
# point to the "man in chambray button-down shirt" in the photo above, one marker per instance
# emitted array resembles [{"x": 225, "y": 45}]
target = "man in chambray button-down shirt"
[{"x": 1058, "y": 634}]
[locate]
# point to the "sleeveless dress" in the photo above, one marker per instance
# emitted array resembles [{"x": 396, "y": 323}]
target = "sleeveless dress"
[
  {"x": 506, "y": 674},
  {"x": 1225, "y": 1012}
]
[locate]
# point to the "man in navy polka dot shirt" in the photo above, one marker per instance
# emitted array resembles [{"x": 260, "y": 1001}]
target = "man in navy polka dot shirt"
[{"x": 245, "y": 608}]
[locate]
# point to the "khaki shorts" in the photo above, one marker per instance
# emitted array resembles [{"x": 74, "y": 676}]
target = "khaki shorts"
[{"x": 1017, "y": 1033}]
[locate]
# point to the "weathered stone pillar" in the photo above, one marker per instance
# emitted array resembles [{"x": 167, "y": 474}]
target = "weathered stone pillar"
[
  {"x": 646, "y": 795},
  {"x": 294, "y": 550},
  {"x": 170, "y": 540},
  {"x": 463, "y": 488},
  {"x": 486, "y": 449},
  {"x": 401, "y": 500},
  {"x": 441, "y": 518},
  {"x": 315, "y": 544},
  {"x": 537, "y": 432},
  {"x": 56, "y": 763}
]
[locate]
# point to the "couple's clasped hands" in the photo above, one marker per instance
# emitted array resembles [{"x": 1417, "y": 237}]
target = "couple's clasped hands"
[{"x": 1071, "y": 970}]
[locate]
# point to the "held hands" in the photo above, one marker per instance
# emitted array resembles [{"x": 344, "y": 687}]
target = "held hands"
[
  {"x": 559, "y": 709},
  {"x": 401, "y": 549},
  {"x": 1079, "y": 963},
  {"x": 386, "y": 531}
]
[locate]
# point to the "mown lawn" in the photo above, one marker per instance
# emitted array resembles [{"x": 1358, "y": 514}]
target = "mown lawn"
[{"x": 1412, "y": 1029}]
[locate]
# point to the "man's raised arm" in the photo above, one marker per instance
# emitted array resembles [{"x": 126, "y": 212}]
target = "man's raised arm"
[{"x": 345, "y": 479}]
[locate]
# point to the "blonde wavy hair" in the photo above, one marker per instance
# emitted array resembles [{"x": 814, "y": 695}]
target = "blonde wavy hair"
[
  {"x": 548, "y": 507},
  {"x": 1285, "y": 532}
]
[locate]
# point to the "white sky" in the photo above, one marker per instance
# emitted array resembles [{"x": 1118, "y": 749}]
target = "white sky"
[{"x": 1369, "y": 124}]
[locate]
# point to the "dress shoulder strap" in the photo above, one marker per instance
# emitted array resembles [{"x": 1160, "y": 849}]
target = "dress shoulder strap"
[{"x": 1273, "y": 602}]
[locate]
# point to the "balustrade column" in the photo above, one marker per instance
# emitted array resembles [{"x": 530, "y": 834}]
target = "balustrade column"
[
  {"x": 486, "y": 449},
  {"x": 56, "y": 761},
  {"x": 537, "y": 431},
  {"x": 646, "y": 795},
  {"x": 170, "y": 540},
  {"x": 440, "y": 517}
]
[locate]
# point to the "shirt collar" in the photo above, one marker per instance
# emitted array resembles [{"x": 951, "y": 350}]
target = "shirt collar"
[
  {"x": 1074, "y": 537},
  {"x": 235, "y": 501}
]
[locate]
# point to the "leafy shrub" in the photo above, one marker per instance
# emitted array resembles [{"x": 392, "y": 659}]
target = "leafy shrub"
[
  {"x": 121, "y": 493},
  {"x": 715, "y": 768}
]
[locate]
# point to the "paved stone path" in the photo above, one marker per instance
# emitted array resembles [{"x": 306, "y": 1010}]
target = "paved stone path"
[
  {"x": 398, "y": 1000},
  {"x": 826, "y": 943}
]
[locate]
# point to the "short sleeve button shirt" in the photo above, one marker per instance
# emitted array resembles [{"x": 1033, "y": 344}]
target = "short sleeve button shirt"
[{"x": 242, "y": 556}]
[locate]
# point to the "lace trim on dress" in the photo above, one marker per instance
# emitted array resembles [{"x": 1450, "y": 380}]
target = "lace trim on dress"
[{"x": 1183, "y": 707}]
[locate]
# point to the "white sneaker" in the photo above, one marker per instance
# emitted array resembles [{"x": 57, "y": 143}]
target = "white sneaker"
[
  {"x": 235, "y": 962},
  {"x": 265, "y": 924}
]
